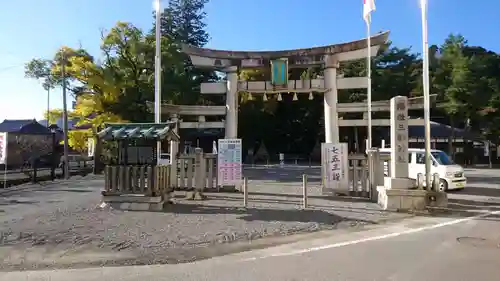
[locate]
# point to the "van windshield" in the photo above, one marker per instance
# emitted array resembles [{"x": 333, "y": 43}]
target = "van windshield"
[{"x": 442, "y": 158}]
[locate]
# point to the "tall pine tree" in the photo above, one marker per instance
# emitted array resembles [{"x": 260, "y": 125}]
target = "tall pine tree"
[{"x": 183, "y": 22}]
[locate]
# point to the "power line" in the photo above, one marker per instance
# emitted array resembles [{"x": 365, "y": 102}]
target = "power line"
[{"x": 10, "y": 67}]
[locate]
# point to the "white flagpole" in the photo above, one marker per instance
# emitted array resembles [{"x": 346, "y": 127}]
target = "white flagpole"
[
  {"x": 369, "y": 76},
  {"x": 158, "y": 76},
  {"x": 426, "y": 88}
]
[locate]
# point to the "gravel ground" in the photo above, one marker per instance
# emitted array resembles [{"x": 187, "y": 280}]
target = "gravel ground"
[{"x": 62, "y": 224}]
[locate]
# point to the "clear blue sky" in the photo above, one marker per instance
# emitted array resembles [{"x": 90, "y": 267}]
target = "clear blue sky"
[{"x": 36, "y": 28}]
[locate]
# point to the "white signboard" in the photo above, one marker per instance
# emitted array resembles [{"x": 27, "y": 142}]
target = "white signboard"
[
  {"x": 399, "y": 137},
  {"x": 214, "y": 147},
  {"x": 335, "y": 166},
  {"x": 91, "y": 146},
  {"x": 3, "y": 148},
  {"x": 252, "y": 63},
  {"x": 229, "y": 162},
  {"x": 486, "y": 148}
]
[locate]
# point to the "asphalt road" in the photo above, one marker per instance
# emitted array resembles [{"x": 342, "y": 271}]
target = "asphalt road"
[{"x": 444, "y": 247}]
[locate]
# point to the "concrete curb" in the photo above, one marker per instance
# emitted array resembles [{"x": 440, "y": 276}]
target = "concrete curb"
[{"x": 24, "y": 187}]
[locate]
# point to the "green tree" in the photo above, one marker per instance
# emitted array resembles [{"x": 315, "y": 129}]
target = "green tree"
[
  {"x": 129, "y": 63},
  {"x": 40, "y": 69},
  {"x": 117, "y": 89},
  {"x": 183, "y": 23},
  {"x": 397, "y": 73},
  {"x": 485, "y": 71},
  {"x": 55, "y": 114}
]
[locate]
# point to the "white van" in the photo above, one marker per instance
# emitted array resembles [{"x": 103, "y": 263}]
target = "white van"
[{"x": 452, "y": 175}]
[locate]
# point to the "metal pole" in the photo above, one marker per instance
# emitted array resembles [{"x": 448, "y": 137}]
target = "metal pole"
[
  {"x": 369, "y": 74},
  {"x": 158, "y": 76},
  {"x": 490, "y": 165},
  {"x": 425, "y": 78},
  {"x": 5, "y": 171},
  {"x": 65, "y": 118},
  {"x": 304, "y": 191},
  {"x": 245, "y": 192},
  {"x": 48, "y": 107}
]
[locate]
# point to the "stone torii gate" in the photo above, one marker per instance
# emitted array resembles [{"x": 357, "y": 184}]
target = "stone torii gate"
[{"x": 327, "y": 57}]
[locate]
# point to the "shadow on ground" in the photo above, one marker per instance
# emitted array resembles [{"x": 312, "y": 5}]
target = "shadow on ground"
[
  {"x": 67, "y": 190},
  {"x": 16, "y": 202},
  {"x": 482, "y": 180},
  {"x": 289, "y": 174},
  {"x": 458, "y": 208},
  {"x": 264, "y": 214},
  {"x": 478, "y": 191}
]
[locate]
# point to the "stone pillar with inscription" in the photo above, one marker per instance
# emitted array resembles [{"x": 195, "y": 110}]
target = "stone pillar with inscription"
[
  {"x": 331, "y": 100},
  {"x": 399, "y": 137},
  {"x": 398, "y": 192},
  {"x": 231, "y": 103},
  {"x": 399, "y": 145}
]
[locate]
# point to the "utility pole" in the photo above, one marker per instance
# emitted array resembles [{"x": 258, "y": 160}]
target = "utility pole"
[
  {"x": 48, "y": 107},
  {"x": 65, "y": 117},
  {"x": 158, "y": 75},
  {"x": 426, "y": 88}
]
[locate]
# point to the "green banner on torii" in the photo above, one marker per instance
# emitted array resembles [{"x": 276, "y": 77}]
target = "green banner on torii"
[{"x": 279, "y": 72}]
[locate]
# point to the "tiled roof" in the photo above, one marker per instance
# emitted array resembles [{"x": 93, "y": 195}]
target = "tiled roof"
[
  {"x": 121, "y": 131},
  {"x": 24, "y": 126}
]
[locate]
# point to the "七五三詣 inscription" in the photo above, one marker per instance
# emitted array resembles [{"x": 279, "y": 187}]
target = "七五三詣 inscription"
[
  {"x": 335, "y": 168},
  {"x": 334, "y": 165}
]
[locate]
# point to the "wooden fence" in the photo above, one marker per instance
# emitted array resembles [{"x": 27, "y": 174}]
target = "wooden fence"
[
  {"x": 194, "y": 173},
  {"x": 140, "y": 180},
  {"x": 365, "y": 173},
  {"x": 358, "y": 176}
]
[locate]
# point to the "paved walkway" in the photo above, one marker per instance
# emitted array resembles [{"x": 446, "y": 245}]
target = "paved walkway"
[
  {"x": 431, "y": 249},
  {"x": 62, "y": 225}
]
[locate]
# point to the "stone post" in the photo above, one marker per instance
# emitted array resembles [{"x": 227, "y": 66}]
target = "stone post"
[
  {"x": 330, "y": 100},
  {"x": 231, "y": 127},
  {"x": 398, "y": 192},
  {"x": 375, "y": 175},
  {"x": 199, "y": 176}
]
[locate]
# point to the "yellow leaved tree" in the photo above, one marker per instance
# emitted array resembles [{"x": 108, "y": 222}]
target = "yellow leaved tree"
[{"x": 96, "y": 91}]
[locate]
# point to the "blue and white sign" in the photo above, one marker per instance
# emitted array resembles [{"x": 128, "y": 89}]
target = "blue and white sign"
[{"x": 229, "y": 162}]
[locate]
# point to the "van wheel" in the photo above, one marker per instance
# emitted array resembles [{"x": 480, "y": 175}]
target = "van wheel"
[{"x": 443, "y": 185}]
